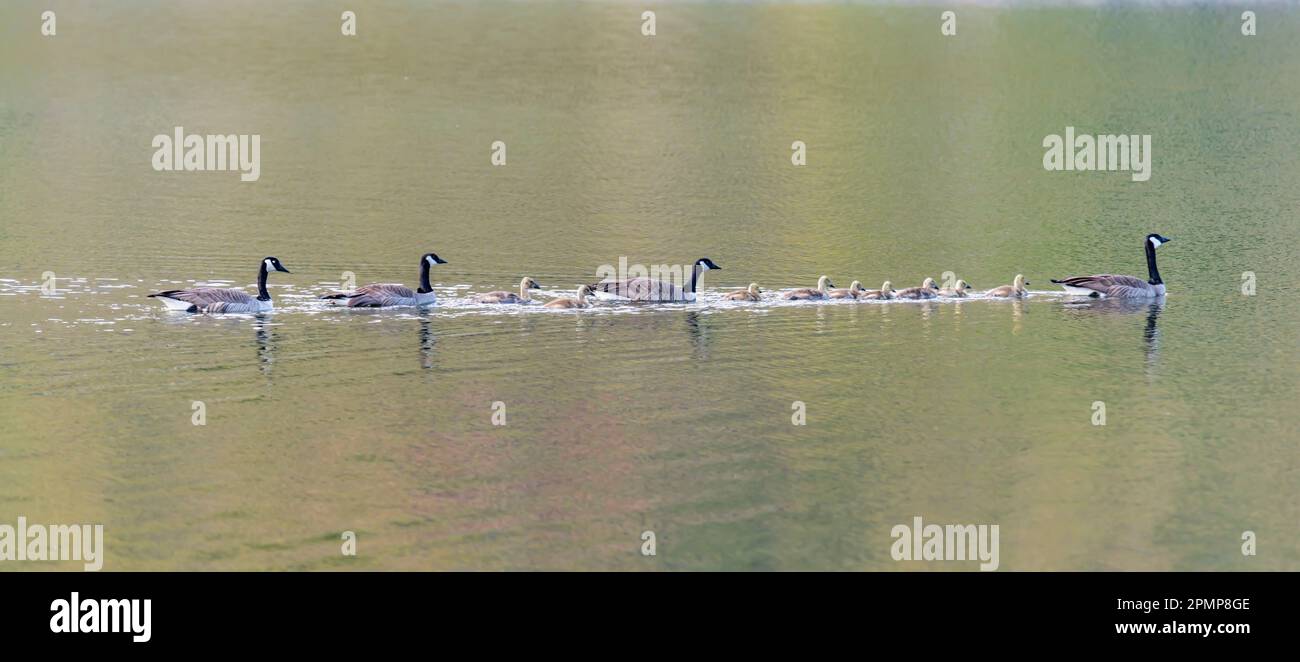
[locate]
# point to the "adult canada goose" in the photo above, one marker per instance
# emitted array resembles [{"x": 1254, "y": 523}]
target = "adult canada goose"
[
  {"x": 957, "y": 290},
  {"x": 501, "y": 296},
  {"x": 854, "y": 289},
  {"x": 927, "y": 290},
  {"x": 751, "y": 294},
  {"x": 223, "y": 300},
  {"x": 1123, "y": 287},
  {"x": 886, "y": 291},
  {"x": 1016, "y": 289},
  {"x": 820, "y": 293},
  {"x": 383, "y": 295},
  {"x": 579, "y": 302},
  {"x": 653, "y": 290}
]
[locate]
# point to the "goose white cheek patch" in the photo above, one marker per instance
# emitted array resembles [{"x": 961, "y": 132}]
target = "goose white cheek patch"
[{"x": 1156, "y": 242}]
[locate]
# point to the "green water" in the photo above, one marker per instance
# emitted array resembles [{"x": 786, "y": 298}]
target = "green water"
[{"x": 923, "y": 156}]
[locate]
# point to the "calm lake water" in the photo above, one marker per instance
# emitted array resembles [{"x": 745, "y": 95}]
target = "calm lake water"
[{"x": 924, "y": 156}]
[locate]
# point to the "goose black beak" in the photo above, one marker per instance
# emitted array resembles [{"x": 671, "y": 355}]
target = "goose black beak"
[{"x": 283, "y": 269}]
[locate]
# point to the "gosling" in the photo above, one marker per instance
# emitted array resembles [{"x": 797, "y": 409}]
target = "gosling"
[
  {"x": 927, "y": 290},
  {"x": 579, "y": 302},
  {"x": 886, "y": 291},
  {"x": 855, "y": 289},
  {"x": 501, "y": 296},
  {"x": 958, "y": 290},
  {"x": 751, "y": 294},
  {"x": 1016, "y": 290},
  {"x": 808, "y": 294}
]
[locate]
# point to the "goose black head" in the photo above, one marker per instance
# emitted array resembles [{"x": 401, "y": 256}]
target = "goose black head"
[
  {"x": 1156, "y": 239},
  {"x": 273, "y": 264},
  {"x": 706, "y": 264},
  {"x": 432, "y": 258}
]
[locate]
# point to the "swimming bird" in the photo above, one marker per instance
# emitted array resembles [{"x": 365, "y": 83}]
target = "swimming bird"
[
  {"x": 1016, "y": 289},
  {"x": 652, "y": 290},
  {"x": 751, "y": 294},
  {"x": 957, "y": 290},
  {"x": 854, "y": 289},
  {"x": 501, "y": 296},
  {"x": 886, "y": 291},
  {"x": 223, "y": 300},
  {"x": 1123, "y": 287},
  {"x": 580, "y": 302},
  {"x": 811, "y": 294},
  {"x": 927, "y": 290},
  {"x": 383, "y": 295}
]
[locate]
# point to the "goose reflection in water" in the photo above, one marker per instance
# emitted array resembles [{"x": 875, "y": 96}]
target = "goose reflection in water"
[
  {"x": 1150, "y": 307},
  {"x": 699, "y": 335},
  {"x": 427, "y": 341},
  {"x": 265, "y": 343}
]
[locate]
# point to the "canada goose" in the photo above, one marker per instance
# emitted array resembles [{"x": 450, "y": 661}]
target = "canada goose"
[
  {"x": 854, "y": 290},
  {"x": 579, "y": 302},
  {"x": 927, "y": 290},
  {"x": 1015, "y": 289},
  {"x": 751, "y": 294},
  {"x": 1124, "y": 287},
  {"x": 650, "y": 289},
  {"x": 958, "y": 290},
  {"x": 886, "y": 291},
  {"x": 501, "y": 296},
  {"x": 819, "y": 293},
  {"x": 223, "y": 300},
  {"x": 382, "y": 295}
]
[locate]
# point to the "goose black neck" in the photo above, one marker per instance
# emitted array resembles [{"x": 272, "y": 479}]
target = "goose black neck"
[
  {"x": 1151, "y": 264},
  {"x": 262, "y": 294},
  {"x": 425, "y": 288},
  {"x": 695, "y": 276}
]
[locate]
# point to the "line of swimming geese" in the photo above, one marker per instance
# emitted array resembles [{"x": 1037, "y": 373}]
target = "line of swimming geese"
[
  {"x": 928, "y": 290},
  {"x": 649, "y": 290}
]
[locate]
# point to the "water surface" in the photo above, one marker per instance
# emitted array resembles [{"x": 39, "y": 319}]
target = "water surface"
[{"x": 924, "y": 156}]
